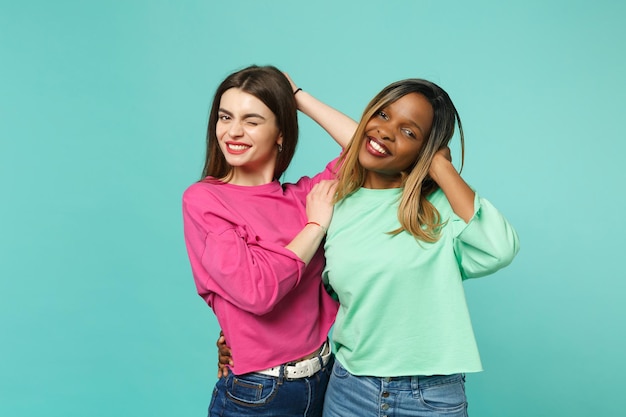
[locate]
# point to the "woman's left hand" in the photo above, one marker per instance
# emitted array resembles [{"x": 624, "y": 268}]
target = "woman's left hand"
[
  {"x": 294, "y": 87},
  {"x": 319, "y": 202}
]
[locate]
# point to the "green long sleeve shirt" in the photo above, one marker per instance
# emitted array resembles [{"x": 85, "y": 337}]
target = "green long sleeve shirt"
[{"x": 402, "y": 304}]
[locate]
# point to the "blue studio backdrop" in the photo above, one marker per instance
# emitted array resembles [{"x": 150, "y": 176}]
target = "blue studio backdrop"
[{"x": 103, "y": 112}]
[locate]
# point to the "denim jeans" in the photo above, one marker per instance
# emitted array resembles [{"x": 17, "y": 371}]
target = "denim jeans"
[
  {"x": 407, "y": 396},
  {"x": 256, "y": 394}
]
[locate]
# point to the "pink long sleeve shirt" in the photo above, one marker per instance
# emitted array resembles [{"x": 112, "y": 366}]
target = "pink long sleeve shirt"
[{"x": 271, "y": 307}]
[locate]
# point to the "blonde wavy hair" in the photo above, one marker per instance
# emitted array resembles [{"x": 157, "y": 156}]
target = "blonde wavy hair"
[{"x": 415, "y": 213}]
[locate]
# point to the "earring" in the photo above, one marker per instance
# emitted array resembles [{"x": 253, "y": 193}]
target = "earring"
[{"x": 280, "y": 148}]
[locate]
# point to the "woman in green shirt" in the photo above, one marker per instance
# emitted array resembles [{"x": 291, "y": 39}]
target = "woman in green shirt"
[{"x": 406, "y": 231}]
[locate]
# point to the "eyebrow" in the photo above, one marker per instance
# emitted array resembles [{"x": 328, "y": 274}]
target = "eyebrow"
[
  {"x": 418, "y": 127},
  {"x": 245, "y": 116}
]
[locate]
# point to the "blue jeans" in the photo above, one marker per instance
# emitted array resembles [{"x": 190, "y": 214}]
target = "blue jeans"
[
  {"x": 255, "y": 394},
  {"x": 407, "y": 396}
]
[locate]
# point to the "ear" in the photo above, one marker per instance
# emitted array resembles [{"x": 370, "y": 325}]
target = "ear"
[{"x": 279, "y": 140}]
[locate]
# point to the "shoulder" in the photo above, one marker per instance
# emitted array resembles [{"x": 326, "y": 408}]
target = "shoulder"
[
  {"x": 438, "y": 199},
  {"x": 301, "y": 186},
  {"x": 196, "y": 190},
  {"x": 201, "y": 193},
  {"x": 305, "y": 183}
]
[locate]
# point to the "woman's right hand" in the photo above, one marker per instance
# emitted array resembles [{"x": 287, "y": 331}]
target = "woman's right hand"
[{"x": 224, "y": 356}]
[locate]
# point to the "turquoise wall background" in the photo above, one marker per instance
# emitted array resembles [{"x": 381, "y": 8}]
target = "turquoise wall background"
[{"x": 103, "y": 108}]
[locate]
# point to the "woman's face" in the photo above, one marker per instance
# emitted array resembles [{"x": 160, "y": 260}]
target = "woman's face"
[
  {"x": 393, "y": 140},
  {"x": 248, "y": 136}
]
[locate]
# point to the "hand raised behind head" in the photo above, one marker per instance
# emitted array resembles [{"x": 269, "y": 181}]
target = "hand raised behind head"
[{"x": 294, "y": 87}]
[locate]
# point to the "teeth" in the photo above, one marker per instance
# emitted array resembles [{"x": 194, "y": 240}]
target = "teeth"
[
  {"x": 377, "y": 147},
  {"x": 237, "y": 147}
]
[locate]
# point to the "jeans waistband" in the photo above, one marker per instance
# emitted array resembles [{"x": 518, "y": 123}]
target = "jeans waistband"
[
  {"x": 301, "y": 369},
  {"x": 419, "y": 381}
]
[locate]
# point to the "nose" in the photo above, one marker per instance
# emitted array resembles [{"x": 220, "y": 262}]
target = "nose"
[
  {"x": 385, "y": 133},
  {"x": 235, "y": 129}
]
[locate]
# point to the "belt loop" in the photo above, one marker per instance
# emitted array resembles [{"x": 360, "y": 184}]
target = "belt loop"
[
  {"x": 322, "y": 352},
  {"x": 281, "y": 374},
  {"x": 415, "y": 382}
]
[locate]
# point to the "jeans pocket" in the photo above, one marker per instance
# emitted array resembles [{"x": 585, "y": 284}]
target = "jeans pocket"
[
  {"x": 339, "y": 371},
  {"x": 445, "y": 397},
  {"x": 250, "y": 390}
]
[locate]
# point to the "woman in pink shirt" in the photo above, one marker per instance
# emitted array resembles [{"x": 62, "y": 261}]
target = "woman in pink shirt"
[{"x": 253, "y": 244}]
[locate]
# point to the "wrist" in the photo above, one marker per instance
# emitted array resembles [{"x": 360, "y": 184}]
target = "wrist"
[
  {"x": 438, "y": 166},
  {"x": 324, "y": 228}
]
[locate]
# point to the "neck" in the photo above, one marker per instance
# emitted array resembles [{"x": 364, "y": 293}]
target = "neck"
[
  {"x": 241, "y": 176},
  {"x": 379, "y": 181}
]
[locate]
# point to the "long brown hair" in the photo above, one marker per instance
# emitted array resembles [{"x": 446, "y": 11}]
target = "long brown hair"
[
  {"x": 270, "y": 86},
  {"x": 415, "y": 213}
]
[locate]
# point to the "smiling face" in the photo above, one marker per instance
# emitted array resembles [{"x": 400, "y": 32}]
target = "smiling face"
[
  {"x": 394, "y": 137},
  {"x": 248, "y": 137}
]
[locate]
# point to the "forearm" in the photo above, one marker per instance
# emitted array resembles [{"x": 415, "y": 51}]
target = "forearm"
[
  {"x": 339, "y": 126},
  {"x": 319, "y": 209},
  {"x": 251, "y": 274},
  {"x": 306, "y": 243},
  {"x": 458, "y": 193}
]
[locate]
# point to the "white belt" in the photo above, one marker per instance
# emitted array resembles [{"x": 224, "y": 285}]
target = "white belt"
[{"x": 302, "y": 369}]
